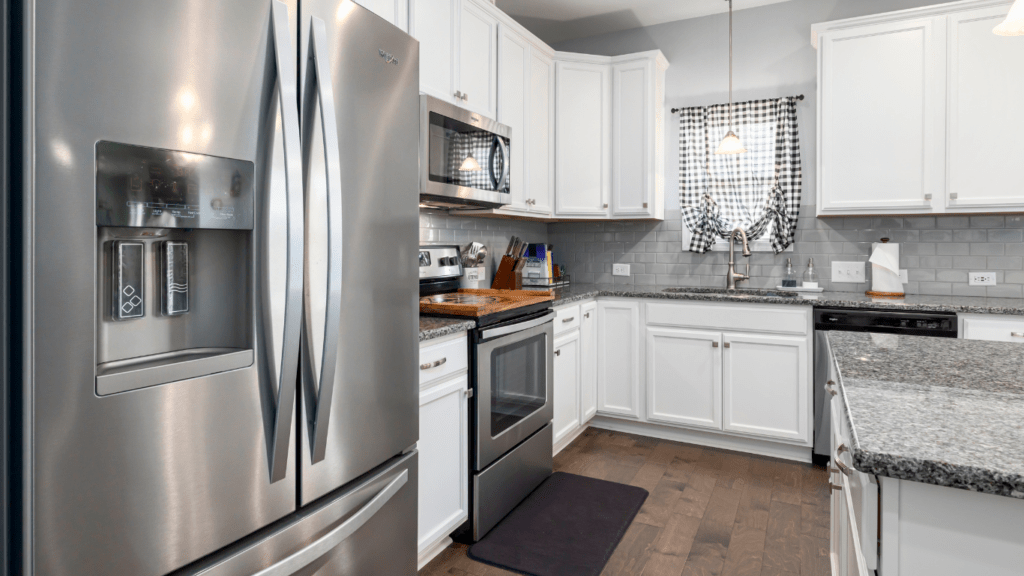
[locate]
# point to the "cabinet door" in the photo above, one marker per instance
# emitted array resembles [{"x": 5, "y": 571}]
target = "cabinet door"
[
  {"x": 618, "y": 358},
  {"x": 986, "y": 117},
  {"x": 513, "y": 87},
  {"x": 540, "y": 136},
  {"x": 766, "y": 386},
  {"x": 837, "y": 508},
  {"x": 444, "y": 460},
  {"x": 588, "y": 362},
  {"x": 632, "y": 122},
  {"x": 582, "y": 139},
  {"x": 882, "y": 131},
  {"x": 478, "y": 60},
  {"x": 567, "y": 385},
  {"x": 432, "y": 22},
  {"x": 684, "y": 377}
]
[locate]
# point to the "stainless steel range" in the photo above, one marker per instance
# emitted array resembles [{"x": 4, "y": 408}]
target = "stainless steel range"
[{"x": 511, "y": 375}]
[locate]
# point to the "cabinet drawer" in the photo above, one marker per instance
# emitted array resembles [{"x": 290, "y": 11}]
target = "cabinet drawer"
[
  {"x": 994, "y": 328},
  {"x": 567, "y": 318},
  {"x": 744, "y": 317},
  {"x": 444, "y": 359}
]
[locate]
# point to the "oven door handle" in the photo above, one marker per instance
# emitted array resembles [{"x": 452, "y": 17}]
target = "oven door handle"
[{"x": 506, "y": 330}]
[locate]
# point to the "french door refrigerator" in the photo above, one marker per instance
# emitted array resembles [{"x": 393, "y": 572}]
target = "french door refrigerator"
[{"x": 218, "y": 288}]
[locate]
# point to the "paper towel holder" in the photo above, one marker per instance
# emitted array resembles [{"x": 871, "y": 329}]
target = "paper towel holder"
[{"x": 885, "y": 295}]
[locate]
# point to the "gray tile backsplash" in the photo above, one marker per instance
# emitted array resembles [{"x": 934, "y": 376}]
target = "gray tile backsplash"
[
  {"x": 437, "y": 227},
  {"x": 937, "y": 251}
]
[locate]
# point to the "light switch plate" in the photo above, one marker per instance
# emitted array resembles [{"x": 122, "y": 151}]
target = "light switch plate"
[
  {"x": 852, "y": 272},
  {"x": 982, "y": 279},
  {"x": 620, "y": 269},
  {"x": 904, "y": 277}
]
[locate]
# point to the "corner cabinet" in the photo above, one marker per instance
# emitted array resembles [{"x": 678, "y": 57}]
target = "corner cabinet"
[
  {"x": 917, "y": 112},
  {"x": 458, "y": 52},
  {"x": 597, "y": 97}
]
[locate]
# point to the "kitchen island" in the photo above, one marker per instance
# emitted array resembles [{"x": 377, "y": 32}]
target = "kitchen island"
[{"x": 940, "y": 423}]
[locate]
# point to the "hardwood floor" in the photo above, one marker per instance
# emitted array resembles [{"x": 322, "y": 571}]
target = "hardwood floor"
[{"x": 710, "y": 511}]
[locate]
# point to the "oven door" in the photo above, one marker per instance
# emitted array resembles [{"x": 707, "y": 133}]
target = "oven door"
[{"x": 514, "y": 374}]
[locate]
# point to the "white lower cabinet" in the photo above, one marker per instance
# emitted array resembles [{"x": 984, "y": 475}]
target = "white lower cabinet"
[
  {"x": 846, "y": 552},
  {"x": 443, "y": 451},
  {"x": 567, "y": 385},
  {"x": 618, "y": 358},
  {"x": 684, "y": 377},
  {"x": 766, "y": 385},
  {"x": 588, "y": 361}
]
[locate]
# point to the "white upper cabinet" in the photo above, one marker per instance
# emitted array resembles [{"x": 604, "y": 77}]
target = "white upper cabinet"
[
  {"x": 986, "y": 113},
  {"x": 433, "y": 23},
  {"x": 525, "y": 81},
  {"x": 638, "y": 119},
  {"x": 477, "y": 52},
  {"x": 394, "y": 11},
  {"x": 582, "y": 136},
  {"x": 918, "y": 112}
]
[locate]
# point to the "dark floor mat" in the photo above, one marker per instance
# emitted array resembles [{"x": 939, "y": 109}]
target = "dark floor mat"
[{"x": 569, "y": 526}]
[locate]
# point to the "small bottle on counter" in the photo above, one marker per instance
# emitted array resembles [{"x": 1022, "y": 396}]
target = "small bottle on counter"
[
  {"x": 789, "y": 280},
  {"x": 810, "y": 276}
]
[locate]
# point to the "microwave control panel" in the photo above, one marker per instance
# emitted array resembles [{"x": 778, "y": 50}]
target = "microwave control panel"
[{"x": 143, "y": 187}]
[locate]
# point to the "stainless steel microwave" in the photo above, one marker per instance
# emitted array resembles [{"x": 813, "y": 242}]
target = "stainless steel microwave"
[{"x": 464, "y": 157}]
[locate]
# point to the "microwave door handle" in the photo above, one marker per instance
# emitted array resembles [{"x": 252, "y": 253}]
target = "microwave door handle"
[
  {"x": 278, "y": 414},
  {"x": 318, "y": 390},
  {"x": 491, "y": 162},
  {"x": 504, "y": 164}
]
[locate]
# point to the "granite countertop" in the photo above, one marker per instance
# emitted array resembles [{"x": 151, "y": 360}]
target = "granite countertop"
[
  {"x": 436, "y": 327},
  {"x": 912, "y": 303},
  {"x": 942, "y": 411}
]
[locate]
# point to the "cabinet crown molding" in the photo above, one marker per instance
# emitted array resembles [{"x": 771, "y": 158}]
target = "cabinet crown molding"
[{"x": 901, "y": 15}]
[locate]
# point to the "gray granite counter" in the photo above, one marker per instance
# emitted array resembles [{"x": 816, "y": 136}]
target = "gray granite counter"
[
  {"x": 936, "y": 410},
  {"x": 912, "y": 303},
  {"x": 436, "y": 327}
]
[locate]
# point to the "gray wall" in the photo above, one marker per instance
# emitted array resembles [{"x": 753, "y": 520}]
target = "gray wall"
[{"x": 774, "y": 57}]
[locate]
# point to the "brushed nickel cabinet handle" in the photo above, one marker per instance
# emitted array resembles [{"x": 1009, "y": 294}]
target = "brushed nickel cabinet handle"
[
  {"x": 927, "y": 196},
  {"x": 829, "y": 386},
  {"x": 587, "y": 315},
  {"x": 1017, "y": 334},
  {"x": 645, "y": 204},
  {"x": 952, "y": 195},
  {"x": 714, "y": 344},
  {"x": 726, "y": 345},
  {"x": 558, "y": 352},
  {"x": 834, "y": 488},
  {"x": 458, "y": 94},
  {"x": 605, "y": 206},
  {"x": 468, "y": 392},
  {"x": 433, "y": 364},
  {"x": 846, "y": 470},
  {"x": 567, "y": 320}
]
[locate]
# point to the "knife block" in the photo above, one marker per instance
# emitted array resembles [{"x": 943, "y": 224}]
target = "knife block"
[{"x": 505, "y": 277}]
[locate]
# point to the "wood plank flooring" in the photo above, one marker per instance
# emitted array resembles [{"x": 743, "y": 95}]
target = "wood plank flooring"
[{"x": 710, "y": 512}]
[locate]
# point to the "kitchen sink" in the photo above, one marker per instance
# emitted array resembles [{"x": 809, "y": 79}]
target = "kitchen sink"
[{"x": 739, "y": 293}]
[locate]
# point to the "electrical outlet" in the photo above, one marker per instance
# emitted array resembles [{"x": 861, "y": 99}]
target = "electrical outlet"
[
  {"x": 904, "y": 277},
  {"x": 620, "y": 269},
  {"x": 982, "y": 279},
  {"x": 848, "y": 272}
]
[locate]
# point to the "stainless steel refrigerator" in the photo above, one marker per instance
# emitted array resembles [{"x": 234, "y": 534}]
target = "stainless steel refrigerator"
[{"x": 218, "y": 289}]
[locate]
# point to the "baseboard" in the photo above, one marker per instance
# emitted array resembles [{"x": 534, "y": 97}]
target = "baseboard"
[
  {"x": 431, "y": 552},
  {"x": 712, "y": 439},
  {"x": 561, "y": 444}
]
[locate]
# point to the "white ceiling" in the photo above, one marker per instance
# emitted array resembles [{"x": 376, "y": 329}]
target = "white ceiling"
[{"x": 557, "y": 20}]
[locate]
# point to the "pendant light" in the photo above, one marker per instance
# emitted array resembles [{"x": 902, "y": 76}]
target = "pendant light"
[
  {"x": 470, "y": 164},
  {"x": 731, "y": 143},
  {"x": 1014, "y": 23}
]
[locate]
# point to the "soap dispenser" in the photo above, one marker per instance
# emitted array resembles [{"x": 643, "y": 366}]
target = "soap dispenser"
[
  {"x": 810, "y": 276},
  {"x": 789, "y": 280}
]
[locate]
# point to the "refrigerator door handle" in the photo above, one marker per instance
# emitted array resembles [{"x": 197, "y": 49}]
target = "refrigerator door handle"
[
  {"x": 318, "y": 389},
  {"x": 279, "y": 431},
  {"x": 311, "y": 553}
]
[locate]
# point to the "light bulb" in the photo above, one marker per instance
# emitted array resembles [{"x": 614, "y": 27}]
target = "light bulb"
[{"x": 731, "y": 145}]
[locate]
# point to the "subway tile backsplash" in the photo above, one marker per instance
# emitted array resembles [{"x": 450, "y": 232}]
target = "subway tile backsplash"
[
  {"x": 937, "y": 251},
  {"x": 437, "y": 227}
]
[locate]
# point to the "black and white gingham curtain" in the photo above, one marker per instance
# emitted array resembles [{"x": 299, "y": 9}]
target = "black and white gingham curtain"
[{"x": 719, "y": 193}]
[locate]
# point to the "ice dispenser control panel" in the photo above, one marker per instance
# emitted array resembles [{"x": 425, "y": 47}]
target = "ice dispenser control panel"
[{"x": 144, "y": 187}]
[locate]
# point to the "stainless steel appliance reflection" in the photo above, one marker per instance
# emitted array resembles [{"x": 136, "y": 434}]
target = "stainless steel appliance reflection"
[
  {"x": 512, "y": 375},
  {"x": 191, "y": 225},
  {"x": 464, "y": 157}
]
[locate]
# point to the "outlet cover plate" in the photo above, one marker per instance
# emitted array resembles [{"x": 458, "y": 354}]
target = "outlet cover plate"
[
  {"x": 982, "y": 279},
  {"x": 852, "y": 272},
  {"x": 620, "y": 269}
]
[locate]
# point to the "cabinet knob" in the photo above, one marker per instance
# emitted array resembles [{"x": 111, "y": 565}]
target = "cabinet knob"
[
  {"x": 558, "y": 352},
  {"x": 605, "y": 206},
  {"x": 465, "y": 97},
  {"x": 726, "y": 344},
  {"x": 714, "y": 344},
  {"x": 645, "y": 204},
  {"x": 468, "y": 392},
  {"x": 458, "y": 94},
  {"x": 952, "y": 195},
  {"x": 927, "y": 196},
  {"x": 829, "y": 387},
  {"x": 587, "y": 315}
]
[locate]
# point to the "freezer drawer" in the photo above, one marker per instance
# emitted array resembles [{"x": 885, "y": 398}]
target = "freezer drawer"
[{"x": 368, "y": 529}]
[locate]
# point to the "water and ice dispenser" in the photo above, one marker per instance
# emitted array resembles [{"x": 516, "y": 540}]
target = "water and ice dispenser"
[{"x": 175, "y": 277}]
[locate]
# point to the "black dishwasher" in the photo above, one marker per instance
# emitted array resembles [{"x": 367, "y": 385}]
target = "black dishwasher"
[{"x": 934, "y": 324}]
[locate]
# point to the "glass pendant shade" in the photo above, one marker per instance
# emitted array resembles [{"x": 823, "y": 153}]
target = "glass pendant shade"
[
  {"x": 470, "y": 165},
  {"x": 731, "y": 145},
  {"x": 1014, "y": 23}
]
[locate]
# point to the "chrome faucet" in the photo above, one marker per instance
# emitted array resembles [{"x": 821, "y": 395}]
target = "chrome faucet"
[{"x": 733, "y": 276}]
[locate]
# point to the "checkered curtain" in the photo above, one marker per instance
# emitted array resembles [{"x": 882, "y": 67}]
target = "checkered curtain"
[
  {"x": 479, "y": 145},
  {"x": 752, "y": 191}
]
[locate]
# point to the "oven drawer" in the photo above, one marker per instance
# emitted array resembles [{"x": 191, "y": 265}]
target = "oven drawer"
[
  {"x": 567, "y": 319},
  {"x": 442, "y": 360}
]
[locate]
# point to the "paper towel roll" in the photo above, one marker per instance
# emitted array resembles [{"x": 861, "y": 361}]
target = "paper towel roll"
[{"x": 885, "y": 267}]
